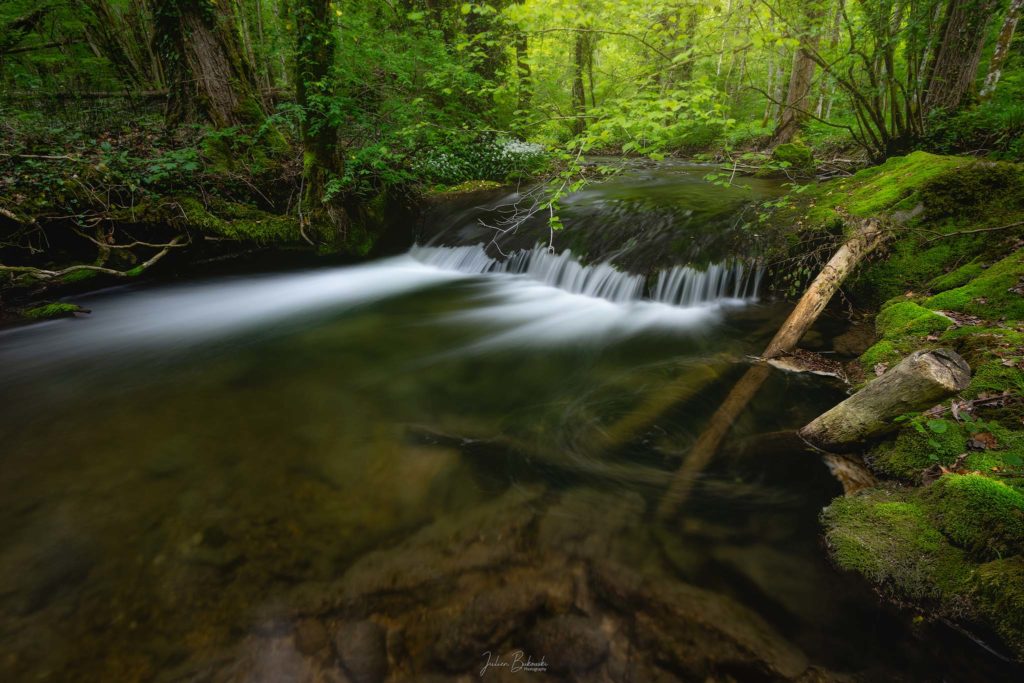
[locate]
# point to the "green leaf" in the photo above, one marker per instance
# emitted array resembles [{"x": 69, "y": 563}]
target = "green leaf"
[{"x": 938, "y": 426}]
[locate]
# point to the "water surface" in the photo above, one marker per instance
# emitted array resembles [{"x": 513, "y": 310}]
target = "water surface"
[{"x": 408, "y": 463}]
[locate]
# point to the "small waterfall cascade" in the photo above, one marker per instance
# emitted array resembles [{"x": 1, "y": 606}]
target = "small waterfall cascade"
[
  {"x": 689, "y": 286},
  {"x": 685, "y": 286}
]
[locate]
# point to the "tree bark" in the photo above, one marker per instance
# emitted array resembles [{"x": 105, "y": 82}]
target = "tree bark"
[
  {"x": 801, "y": 79},
  {"x": 1002, "y": 49},
  {"x": 579, "y": 92},
  {"x": 954, "y": 62},
  {"x": 314, "y": 57},
  {"x": 207, "y": 74},
  {"x": 919, "y": 381}
]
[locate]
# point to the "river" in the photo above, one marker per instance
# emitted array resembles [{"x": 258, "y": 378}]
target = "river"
[{"x": 408, "y": 468}]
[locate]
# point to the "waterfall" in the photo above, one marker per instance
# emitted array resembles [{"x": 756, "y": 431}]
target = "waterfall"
[
  {"x": 685, "y": 286},
  {"x": 689, "y": 286}
]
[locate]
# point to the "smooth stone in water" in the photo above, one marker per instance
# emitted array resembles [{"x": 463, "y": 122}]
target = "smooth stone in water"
[
  {"x": 310, "y": 637},
  {"x": 570, "y": 644},
  {"x": 362, "y": 650}
]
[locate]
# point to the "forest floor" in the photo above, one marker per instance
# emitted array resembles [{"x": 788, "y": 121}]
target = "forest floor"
[{"x": 944, "y": 530}]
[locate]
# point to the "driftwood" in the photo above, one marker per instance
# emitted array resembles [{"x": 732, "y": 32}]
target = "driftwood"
[
  {"x": 868, "y": 236},
  {"x": 919, "y": 381}
]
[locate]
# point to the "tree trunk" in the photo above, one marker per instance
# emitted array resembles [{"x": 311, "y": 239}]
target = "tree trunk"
[
  {"x": 919, "y": 381},
  {"x": 524, "y": 85},
  {"x": 207, "y": 74},
  {"x": 579, "y": 91},
  {"x": 800, "y": 81},
  {"x": 1002, "y": 49},
  {"x": 314, "y": 58},
  {"x": 954, "y": 62}
]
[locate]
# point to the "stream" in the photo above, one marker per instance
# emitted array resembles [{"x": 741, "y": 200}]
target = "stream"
[{"x": 408, "y": 468}]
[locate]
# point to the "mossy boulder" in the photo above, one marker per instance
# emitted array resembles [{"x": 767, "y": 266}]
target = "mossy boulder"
[
  {"x": 799, "y": 157},
  {"x": 958, "y": 277},
  {"x": 889, "y": 538},
  {"x": 979, "y": 514},
  {"x": 974, "y": 190},
  {"x": 998, "y": 292},
  {"x": 909, "y": 318},
  {"x": 909, "y": 543},
  {"x": 999, "y": 590}
]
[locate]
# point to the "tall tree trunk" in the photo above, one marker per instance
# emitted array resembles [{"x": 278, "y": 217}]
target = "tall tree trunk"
[
  {"x": 1002, "y": 49},
  {"x": 954, "y": 62},
  {"x": 525, "y": 82},
  {"x": 579, "y": 91},
  {"x": 207, "y": 74},
  {"x": 801, "y": 78},
  {"x": 313, "y": 60}
]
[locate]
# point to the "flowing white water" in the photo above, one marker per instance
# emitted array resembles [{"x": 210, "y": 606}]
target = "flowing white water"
[
  {"x": 533, "y": 297},
  {"x": 680, "y": 286}
]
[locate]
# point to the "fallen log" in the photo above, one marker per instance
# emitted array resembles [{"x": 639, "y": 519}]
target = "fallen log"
[
  {"x": 919, "y": 381},
  {"x": 868, "y": 236}
]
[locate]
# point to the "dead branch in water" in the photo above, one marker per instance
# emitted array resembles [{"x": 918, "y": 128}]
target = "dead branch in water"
[{"x": 868, "y": 236}]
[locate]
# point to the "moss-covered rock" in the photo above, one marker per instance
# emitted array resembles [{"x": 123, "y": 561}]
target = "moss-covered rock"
[
  {"x": 973, "y": 190},
  {"x": 999, "y": 591},
  {"x": 889, "y": 538},
  {"x": 900, "y": 539},
  {"x": 997, "y": 292},
  {"x": 957, "y": 277},
  {"x": 979, "y": 514},
  {"x": 799, "y": 157},
  {"x": 908, "y": 318}
]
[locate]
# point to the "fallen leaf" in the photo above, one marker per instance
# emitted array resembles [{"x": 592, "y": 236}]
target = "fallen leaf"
[
  {"x": 982, "y": 441},
  {"x": 880, "y": 369}
]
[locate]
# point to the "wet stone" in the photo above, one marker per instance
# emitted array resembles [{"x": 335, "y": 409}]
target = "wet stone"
[
  {"x": 569, "y": 644},
  {"x": 361, "y": 647},
  {"x": 311, "y": 637}
]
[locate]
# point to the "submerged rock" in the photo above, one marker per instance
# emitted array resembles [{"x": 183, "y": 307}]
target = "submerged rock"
[
  {"x": 362, "y": 651},
  {"x": 569, "y": 643}
]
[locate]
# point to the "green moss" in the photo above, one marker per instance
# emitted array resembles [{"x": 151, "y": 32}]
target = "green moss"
[
  {"x": 973, "y": 190},
  {"x": 888, "y": 186},
  {"x": 916, "y": 447},
  {"x": 910, "y": 265},
  {"x": 979, "y": 514},
  {"x": 79, "y": 275},
  {"x": 882, "y": 352},
  {"x": 467, "y": 187},
  {"x": 890, "y": 540},
  {"x": 55, "y": 310},
  {"x": 798, "y": 156},
  {"x": 956, "y": 278},
  {"x": 994, "y": 377},
  {"x": 999, "y": 590},
  {"x": 909, "y": 318},
  {"x": 237, "y": 221},
  {"x": 993, "y": 294}
]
